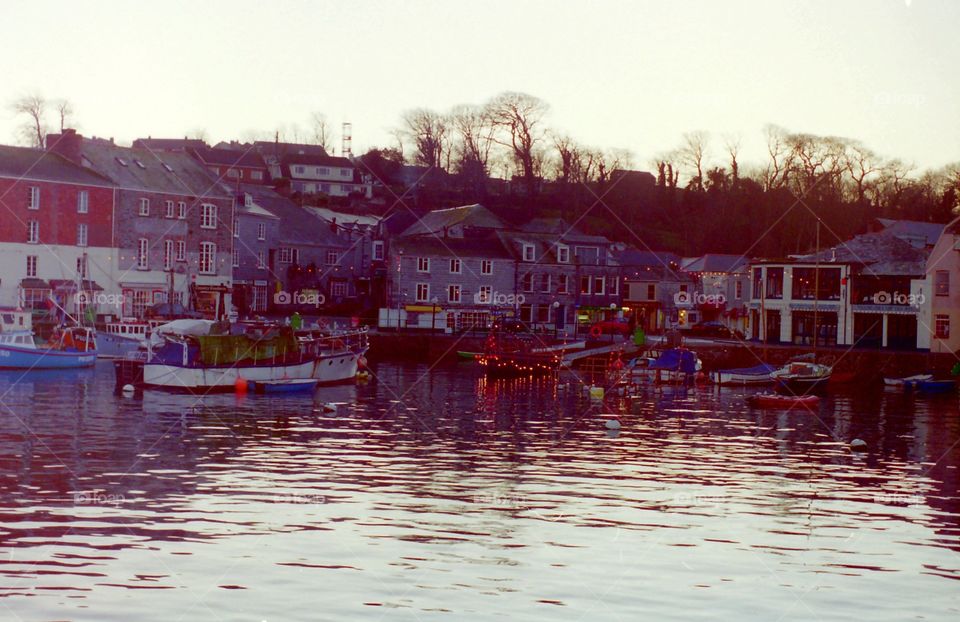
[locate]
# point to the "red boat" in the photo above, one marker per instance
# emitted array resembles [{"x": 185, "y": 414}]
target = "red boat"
[{"x": 775, "y": 400}]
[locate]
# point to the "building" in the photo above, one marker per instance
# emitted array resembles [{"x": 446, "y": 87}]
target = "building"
[
  {"x": 942, "y": 308},
  {"x": 722, "y": 282},
  {"x": 651, "y": 281},
  {"x": 323, "y": 174},
  {"x": 172, "y": 224},
  {"x": 234, "y": 166},
  {"x": 919, "y": 234},
  {"x": 181, "y": 145},
  {"x": 868, "y": 291},
  {"x": 256, "y": 233},
  {"x": 56, "y": 232}
]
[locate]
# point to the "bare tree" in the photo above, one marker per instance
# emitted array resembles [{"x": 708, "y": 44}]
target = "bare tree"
[
  {"x": 474, "y": 129},
  {"x": 429, "y": 132},
  {"x": 732, "y": 145},
  {"x": 692, "y": 153},
  {"x": 65, "y": 113},
  {"x": 611, "y": 160},
  {"x": 777, "y": 171},
  {"x": 520, "y": 119},
  {"x": 861, "y": 163},
  {"x": 32, "y": 109},
  {"x": 322, "y": 135}
]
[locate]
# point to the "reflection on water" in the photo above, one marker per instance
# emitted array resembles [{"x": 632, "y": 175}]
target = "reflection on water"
[{"x": 421, "y": 494}]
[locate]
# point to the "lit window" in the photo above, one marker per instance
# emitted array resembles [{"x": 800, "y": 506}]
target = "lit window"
[
  {"x": 453, "y": 293},
  {"x": 941, "y": 283}
]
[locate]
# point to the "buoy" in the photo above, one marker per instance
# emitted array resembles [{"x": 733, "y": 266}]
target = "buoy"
[
  {"x": 362, "y": 361},
  {"x": 612, "y": 424},
  {"x": 331, "y": 407},
  {"x": 129, "y": 388},
  {"x": 240, "y": 386},
  {"x": 858, "y": 444}
]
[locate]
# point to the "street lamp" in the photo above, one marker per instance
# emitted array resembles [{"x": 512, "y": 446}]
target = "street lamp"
[
  {"x": 556, "y": 317},
  {"x": 433, "y": 320}
]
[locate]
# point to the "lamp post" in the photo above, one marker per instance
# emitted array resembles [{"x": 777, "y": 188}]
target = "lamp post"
[
  {"x": 556, "y": 317},
  {"x": 433, "y": 319},
  {"x": 613, "y": 310},
  {"x": 399, "y": 265}
]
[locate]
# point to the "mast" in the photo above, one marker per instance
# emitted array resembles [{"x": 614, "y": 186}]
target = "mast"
[{"x": 816, "y": 294}]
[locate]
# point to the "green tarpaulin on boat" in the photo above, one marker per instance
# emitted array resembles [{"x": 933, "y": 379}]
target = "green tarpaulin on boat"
[{"x": 227, "y": 349}]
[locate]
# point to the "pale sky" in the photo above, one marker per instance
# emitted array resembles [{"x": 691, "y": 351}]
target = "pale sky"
[{"x": 635, "y": 75}]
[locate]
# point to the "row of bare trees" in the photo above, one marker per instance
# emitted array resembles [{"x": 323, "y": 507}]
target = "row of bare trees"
[
  {"x": 507, "y": 135},
  {"x": 37, "y": 114}
]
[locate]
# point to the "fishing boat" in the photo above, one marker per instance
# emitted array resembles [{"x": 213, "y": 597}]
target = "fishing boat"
[
  {"x": 468, "y": 356},
  {"x": 758, "y": 374},
  {"x": 201, "y": 355},
  {"x": 121, "y": 338},
  {"x": 801, "y": 376},
  {"x": 510, "y": 355},
  {"x": 776, "y": 400},
  {"x": 69, "y": 347},
  {"x": 905, "y": 382},
  {"x": 672, "y": 366}
]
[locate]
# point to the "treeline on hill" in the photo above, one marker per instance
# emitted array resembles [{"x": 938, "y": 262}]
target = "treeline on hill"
[{"x": 696, "y": 198}]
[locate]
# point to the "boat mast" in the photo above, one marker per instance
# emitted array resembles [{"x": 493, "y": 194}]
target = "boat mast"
[{"x": 816, "y": 294}]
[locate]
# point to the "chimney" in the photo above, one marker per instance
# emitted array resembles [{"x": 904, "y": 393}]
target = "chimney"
[{"x": 68, "y": 145}]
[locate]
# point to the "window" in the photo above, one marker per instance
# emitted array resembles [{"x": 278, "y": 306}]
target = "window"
[
  {"x": 286, "y": 254},
  {"x": 261, "y": 231},
  {"x": 208, "y": 216},
  {"x": 942, "y": 326},
  {"x": 585, "y": 285},
  {"x": 613, "y": 285},
  {"x": 144, "y": 207},
  {"x": 454, "y": 266},
  {"x": 545, "y": 283},
  {"x": 344, "y": 172},
  {"x": 236, "y": 258},
  {"x": 338, "y": 289},
  {"x": 33, "y": 232},
  {"x": 587, "y": 255},
  {"x": 485, "y": 295},
  {"x": 378, "y": 250},
  {"x": 167, "y": 254},
  {"x": 529, "y": 252},
  {"x": 82, "y": 266},
  {"x": 526, "y": 282},
  {"x": 941, "y": 283},
  {"x": 563, "y": 253},
  {"x": 232, "y": 173},
  {"x": 35, "y": 298},
  {"x": 31, "y": 265},
  {"x": 83, "y": 202},
  {"x": 208, "y": 258},
  {"x": 486, "y": 267},
  {"x": 82, "y": 234},
  {"x": 423, "y": 292},
  {"x": 738, "y": 290},
  {"x": 256, "y": 175},
  {"x": 181, "y": 250},
  {"x": 423, "y": 264},
  {"x": 33, "y": 197},
  {"x": 651, "y": 292},
  {"x": 332, "y": 258},
  {"x": 564, "y": 284},
  {"x": 169, "y": 213},
  {"x": 143, "y": 258},
  {"x": 299, "y": 170},
  {"x": 453, "y": 293},
  {"x": 261, "y": 262},
  {"x": 598, "y": 285},
  {"x": 182, "y": 210}
]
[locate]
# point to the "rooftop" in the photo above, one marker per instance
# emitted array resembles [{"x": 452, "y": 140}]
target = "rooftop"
[{"x": 22, "y": 162}]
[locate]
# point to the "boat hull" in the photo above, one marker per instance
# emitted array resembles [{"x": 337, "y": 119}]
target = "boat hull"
[
  {"x": 327, "y": 369},
  {"x": 30, "y": 358},
  {"x": 772, "y": 400},
  {"x": 111, "y": 346},
  {"x": 735, "y": 379},
  {"x": 801, "y": 385}
]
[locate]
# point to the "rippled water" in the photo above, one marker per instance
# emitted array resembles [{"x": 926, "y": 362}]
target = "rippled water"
[{"x": 444, "y": 494}]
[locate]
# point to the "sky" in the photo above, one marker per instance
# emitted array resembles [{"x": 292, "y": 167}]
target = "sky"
[{"x": 632, "y": 75}]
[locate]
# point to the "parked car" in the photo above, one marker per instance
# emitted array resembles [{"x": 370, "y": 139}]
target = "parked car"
[{"x": 711, "y": 329}]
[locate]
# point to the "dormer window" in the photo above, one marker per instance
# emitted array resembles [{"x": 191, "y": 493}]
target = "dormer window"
[
  {"x": 529, "y": 252},
  {"x": 247, "y": 200},
  {"x": 563, "y": 253}
]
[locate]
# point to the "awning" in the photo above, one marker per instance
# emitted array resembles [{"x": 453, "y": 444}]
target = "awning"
[
  {"x": 34, "y": 283},
  {"x": 67, "y": 285}
]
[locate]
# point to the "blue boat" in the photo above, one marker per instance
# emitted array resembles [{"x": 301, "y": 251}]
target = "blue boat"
[
  {"x": 68, "y": 348},
  {"x": 298, "y": 385},
  {"x": 932, "y": 386}
]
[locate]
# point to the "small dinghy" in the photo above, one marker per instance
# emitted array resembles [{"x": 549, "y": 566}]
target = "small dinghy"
[
  {"x": 776, "y": 400},
  {"x": 298, "y": 385},
  {"x": 907, "y": 381},
  {"x": 758, "y": 374},
  {"x": 932, "y": 386}
]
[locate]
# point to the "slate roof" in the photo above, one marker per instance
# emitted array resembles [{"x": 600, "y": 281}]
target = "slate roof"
[
  {"x": 184, "y": 175},
  {"x": 881, "y": 253},
  {"x": 169, "y": 144},
  {"x": 230, "y": 157},
  {"x": 278, "y": 149},
  {"x": 715, "y": 262},
  {"x": 485, "y": 246},
  {"x": 298, "y": 226},
  {"x": 345, "y": 219},
  {"x": 39, "y": 164},
  {"x": 436, "y": 221},
  {"x": 907, "y": 230},
  {"x": 314, "y": 160},
  {"x": 559, "y": 229}
]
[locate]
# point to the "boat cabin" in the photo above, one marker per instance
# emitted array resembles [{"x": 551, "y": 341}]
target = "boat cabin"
[{"x": 15, "y": 320}]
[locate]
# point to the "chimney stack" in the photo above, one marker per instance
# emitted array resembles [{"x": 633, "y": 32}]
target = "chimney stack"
[{"x": 68, "y": 145}]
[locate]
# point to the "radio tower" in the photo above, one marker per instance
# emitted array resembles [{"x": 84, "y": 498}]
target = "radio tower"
[{"x": 346, "y": 141}]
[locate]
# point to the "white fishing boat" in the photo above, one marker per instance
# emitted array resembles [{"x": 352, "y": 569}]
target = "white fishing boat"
[
  {"x": 802, "y": 376},
  {"x": 121, "y": 338},
  {"x": 744, "y": 376},
  {"x": 900, "y": 383}
]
